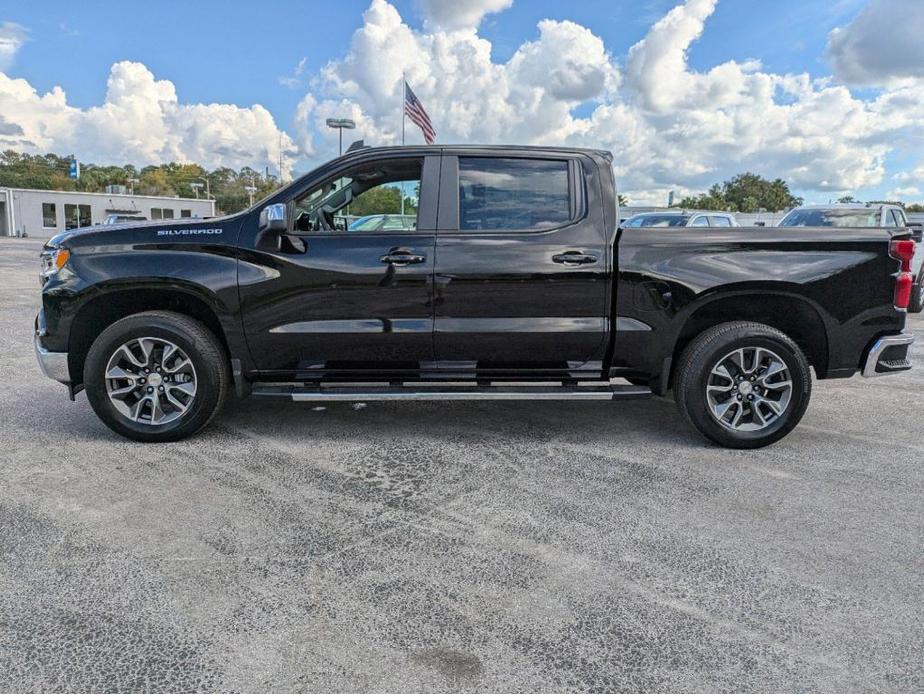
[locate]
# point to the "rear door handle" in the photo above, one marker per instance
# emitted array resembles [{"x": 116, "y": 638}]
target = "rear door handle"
[
  {"x": 574, "y": 258},
  {"x": 402, "y": 256}
]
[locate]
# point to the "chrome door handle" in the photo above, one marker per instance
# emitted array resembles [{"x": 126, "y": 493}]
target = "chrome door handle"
[
  {"x": 574, "y": 258},
  {"x": 402, "y": 256}
]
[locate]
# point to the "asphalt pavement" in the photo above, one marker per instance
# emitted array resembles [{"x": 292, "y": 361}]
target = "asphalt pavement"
[{"x": 429, "y": 547}]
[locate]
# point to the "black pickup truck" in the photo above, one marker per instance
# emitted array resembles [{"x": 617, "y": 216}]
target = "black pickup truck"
[{"x": 513, "y": 282}]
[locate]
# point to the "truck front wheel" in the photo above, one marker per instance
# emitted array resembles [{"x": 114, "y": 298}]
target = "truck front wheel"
[
  {"x": 743, "y": 385},
  {"x": 156, "y": 376}
]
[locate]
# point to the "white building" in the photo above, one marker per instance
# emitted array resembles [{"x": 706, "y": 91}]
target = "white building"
[{"x": 43, "y": 213}]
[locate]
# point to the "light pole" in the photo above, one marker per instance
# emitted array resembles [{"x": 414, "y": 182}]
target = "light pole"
[
  {"x": 340, "y": 124},
  {"x": 208, "y": 192},
  {"x": 196, "y": 187},
  {"x": 251, "y": 189}
]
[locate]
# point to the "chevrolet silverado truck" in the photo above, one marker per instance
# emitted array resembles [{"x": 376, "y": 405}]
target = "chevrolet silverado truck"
[{"x": 515, "y": 282}]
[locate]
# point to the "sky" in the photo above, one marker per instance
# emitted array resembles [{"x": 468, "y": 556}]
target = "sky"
[{"x": 826, "y": 94}]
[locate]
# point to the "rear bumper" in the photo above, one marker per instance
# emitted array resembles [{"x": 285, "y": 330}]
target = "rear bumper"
[
  {"x": 53, "y": 364},
  {"x": 888, "y": 355}
]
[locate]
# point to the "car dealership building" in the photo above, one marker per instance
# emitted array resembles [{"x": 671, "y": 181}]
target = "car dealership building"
[{"x": 44, "y": 213}]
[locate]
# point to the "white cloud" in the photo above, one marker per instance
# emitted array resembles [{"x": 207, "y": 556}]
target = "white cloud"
[
  {"x": 142, "y": 121},
  {"x": 669, "y": 126},
  {"x": 884, "y": 44},
  {"x": 904, "y": 193},
  {"x": 12, "y": 37},
  {"x": 460, "y": 14},
  {"x": 294, "y": 80}
]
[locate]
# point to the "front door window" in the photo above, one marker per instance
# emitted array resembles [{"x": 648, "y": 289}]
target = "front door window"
[{"x": 383, "y": 196}]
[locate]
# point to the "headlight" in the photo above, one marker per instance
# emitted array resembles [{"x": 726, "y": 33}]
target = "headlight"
[{"x": 53, "y": 260}]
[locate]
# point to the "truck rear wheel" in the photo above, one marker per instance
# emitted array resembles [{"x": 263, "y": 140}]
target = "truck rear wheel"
[
  {"x": 743, "y": 385},
  {"x": 156, "y": 376}
]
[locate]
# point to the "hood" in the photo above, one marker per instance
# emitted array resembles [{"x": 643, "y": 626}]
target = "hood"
[{"x": 148, "y": 231}]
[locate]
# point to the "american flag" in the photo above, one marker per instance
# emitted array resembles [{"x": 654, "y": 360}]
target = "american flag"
[{"x": 414, "y": 110}]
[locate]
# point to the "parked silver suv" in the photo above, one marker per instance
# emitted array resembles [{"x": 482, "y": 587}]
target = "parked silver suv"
[
  {"x": 868, "y": 215},
  {"x": 678, "y": 218}
]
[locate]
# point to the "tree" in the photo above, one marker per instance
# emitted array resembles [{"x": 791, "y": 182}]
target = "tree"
[
  {"x": 745, "y": 192},
  {"x": 847, "y": 200},
  {"x": 383, "y": 199},
  {"x": 50, "y": 172}
]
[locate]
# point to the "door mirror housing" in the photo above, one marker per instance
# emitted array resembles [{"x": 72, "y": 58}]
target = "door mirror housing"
[{"x": 274, "y": 218}]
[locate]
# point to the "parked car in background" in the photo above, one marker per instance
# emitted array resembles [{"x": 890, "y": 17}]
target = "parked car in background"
[
  {"x": 680, "y": 218},
  {"x": 123, "y": 219},
  {"x": 859, "y": 215},
  {"x": 384, "y": 222}
]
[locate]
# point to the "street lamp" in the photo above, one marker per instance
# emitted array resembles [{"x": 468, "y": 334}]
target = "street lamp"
[
  {"x": 340, "y": 124},
  {"x": 208, "y": 192}
]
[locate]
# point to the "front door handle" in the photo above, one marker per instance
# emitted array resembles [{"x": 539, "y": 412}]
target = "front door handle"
[
  {"x": 574, "y": 258},
  {"x": 402, "y": 256}
]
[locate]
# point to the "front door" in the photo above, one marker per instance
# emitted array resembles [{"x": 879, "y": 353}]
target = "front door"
[
  {"x": 349, "y": 289},
  {"x": 520, "y": 278}
]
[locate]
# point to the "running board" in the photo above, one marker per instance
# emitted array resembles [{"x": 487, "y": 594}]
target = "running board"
[{"x": 422, "y": 392}]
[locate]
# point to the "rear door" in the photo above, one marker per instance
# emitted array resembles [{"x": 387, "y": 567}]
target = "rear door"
[{"x": 521, "y": 269}]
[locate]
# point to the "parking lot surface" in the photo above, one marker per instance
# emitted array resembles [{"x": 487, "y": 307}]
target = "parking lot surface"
[{"x": 496, "y": 546}]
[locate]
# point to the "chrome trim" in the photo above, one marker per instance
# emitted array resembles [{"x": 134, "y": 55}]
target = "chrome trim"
[
  {"x": 439, "y": 393},
  {"x": 626, "y": 324},
  {"x": 52, "y": 364},
  {"x": 882, "y": 344}
]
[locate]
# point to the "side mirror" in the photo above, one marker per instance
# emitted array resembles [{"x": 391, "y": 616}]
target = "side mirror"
[{"x": 274, "y": 218}]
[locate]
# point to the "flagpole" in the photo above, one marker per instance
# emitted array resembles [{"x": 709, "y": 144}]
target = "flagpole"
[{"x": 403, "y": 114}]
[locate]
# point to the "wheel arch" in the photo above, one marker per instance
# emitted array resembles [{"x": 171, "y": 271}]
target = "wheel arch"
[
  {"x": 789, "y": 313},
  {"x": 98, "y": 313}
]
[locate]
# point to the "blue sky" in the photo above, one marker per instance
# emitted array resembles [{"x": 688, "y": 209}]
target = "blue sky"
[
  {"x": 215, "y": 53},
  {"x": 236, "y": 53}
]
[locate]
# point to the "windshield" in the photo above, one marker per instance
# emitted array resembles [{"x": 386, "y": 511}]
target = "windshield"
[
  {"x": 831, "y": 218},
  {"x": 658, "y": 220}
]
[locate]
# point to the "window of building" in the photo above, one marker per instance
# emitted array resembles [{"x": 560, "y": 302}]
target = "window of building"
[
  {"x": 513, "y": 194},
  {"x": 185, "y": 213},
  {"x": 77, "y": 216},
  {"x": 49, "y": 215},
  {"x": 161, "y": 213}
]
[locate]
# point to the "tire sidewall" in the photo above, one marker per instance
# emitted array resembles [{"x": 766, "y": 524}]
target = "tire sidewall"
[
  {"x": 118, "y": 334},
  {"x": 697, "y": 406}
]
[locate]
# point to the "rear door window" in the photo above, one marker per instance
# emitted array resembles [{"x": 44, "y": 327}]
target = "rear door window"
[
  {"x": 513, "y": 194},
  {"x": 718, "y": 221}
]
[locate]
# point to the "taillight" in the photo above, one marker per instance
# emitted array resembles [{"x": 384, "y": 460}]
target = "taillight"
[
  {"x": 904, "y": 251},
  {"x": 903, "y": 285}
]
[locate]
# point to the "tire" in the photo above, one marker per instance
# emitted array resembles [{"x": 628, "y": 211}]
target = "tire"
[
  {"x": 755, "y": 413},
  {"x": 194, "y": 361}
]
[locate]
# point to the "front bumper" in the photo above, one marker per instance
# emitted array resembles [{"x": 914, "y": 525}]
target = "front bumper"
[
  {"x": 53, "y": 364},
  {"x": 888, "y": 355}
]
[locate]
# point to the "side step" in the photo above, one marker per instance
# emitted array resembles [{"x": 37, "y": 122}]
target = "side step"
[{"x": 342, "y": 393}]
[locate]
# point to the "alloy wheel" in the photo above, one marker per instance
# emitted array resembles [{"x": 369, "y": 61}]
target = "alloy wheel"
[
  {"x": 749, "y": 389},
  {"x": 151, "y": 381}
]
